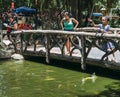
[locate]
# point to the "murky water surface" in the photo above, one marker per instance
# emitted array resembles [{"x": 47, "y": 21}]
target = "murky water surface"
[{"x": 59, "y": 79}]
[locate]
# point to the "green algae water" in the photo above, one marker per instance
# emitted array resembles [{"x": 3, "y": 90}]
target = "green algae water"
[{"x": 58, "y": 79}]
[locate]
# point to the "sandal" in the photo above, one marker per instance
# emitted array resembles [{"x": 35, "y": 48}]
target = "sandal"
[
  {"x": 67, "y": 53},
  {"x": 113, "y": 60}
]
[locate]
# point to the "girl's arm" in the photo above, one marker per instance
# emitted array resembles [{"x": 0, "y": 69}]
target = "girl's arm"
[
  {"x": 91, "y": 21},
  {"x": 62, "y": 23},
  {"x": 108, "y": 31},
  {"x": 15, "y": 26},
  {"x": 76, "y": 23}
]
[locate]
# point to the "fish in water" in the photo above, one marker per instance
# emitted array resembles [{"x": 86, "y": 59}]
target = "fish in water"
[
  {"x": 17, "y": 57},
  {"x": 93, "y": 78}
]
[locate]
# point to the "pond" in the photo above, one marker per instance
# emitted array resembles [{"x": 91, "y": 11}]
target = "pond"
[{"x": 35, "y": 78}]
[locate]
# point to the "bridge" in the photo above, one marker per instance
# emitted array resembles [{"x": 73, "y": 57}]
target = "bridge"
[{"x": 87, "y": 46}]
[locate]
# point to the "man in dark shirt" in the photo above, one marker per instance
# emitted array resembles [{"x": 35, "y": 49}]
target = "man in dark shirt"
[{"x": 12, "y": 26}]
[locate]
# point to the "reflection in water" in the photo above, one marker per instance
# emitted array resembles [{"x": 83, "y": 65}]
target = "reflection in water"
[
  {"x": 32, "y": 79},
  {"x": 10, "y": 74},
  {"x": 93, "y": 78},
  {"x": 2, "y": 84},
  {"x": 19, "y": 62}
]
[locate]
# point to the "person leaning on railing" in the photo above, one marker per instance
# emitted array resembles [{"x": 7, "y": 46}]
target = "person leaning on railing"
[
  {"x": 12, "y": 26},
  {"x": 105, "y": 28},
  {"x": 67, "y": 24}
]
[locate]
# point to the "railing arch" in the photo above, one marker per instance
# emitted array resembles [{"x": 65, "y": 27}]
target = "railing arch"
[{"x": 87, "y": 38}]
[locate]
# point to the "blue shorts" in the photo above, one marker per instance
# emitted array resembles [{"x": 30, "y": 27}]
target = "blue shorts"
[{"x": 108, "y": 45}]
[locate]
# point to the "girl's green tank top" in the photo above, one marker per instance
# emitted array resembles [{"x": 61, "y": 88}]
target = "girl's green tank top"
[{"x": 68, "y": 25}]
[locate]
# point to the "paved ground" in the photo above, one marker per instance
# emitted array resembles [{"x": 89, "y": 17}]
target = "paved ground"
[{"x": 94, "y": 53}]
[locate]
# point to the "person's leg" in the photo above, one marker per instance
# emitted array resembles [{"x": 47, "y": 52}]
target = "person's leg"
[
  {"x": 3, "y": 36},
  {"x": 112, "y": 47},
  {"x": 113, "y": 56},
  {"x": 8, "y": 36},
  {"x": 67, "y": 46}
]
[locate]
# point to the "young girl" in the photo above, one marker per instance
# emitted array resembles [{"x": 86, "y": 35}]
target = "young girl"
[
  {"x": 105, "y": 28},
  {"x": 67, "y": 24}
]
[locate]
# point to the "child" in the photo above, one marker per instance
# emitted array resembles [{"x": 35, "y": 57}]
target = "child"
[{"x": 105, "y": 28}]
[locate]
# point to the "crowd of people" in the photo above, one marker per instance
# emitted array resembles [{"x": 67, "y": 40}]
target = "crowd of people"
[
  {"x": 68, "y": 23},
  {"x": 11, "y": 21}
]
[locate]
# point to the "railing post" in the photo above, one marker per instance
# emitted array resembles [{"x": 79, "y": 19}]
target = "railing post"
[
  {"x": 21, "y": 38},
  {"x": 47, "y": 48},
  {"x": 83, "y": 52}
]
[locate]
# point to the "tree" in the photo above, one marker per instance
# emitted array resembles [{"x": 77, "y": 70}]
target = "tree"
[{"x": 78, "y": 8}]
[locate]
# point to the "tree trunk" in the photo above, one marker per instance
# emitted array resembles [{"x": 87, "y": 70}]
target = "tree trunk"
[
  {"x": 73, "y": 8},
  {"x": 79, "y": 10},
  {"x": 58, "y": 3}
]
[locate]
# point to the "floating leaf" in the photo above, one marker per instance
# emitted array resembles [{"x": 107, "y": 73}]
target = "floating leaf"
[
  {"x": 16, "y": 88},
  {"x": 59, "y": 86},
  {"x": 49, "y": 78},
  {"x": 49, "y": 71}
]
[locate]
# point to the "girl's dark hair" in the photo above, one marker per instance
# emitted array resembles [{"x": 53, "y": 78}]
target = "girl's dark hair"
[
  {"x": 69, "y": 14},
  {"x": 106, "y": 18}
]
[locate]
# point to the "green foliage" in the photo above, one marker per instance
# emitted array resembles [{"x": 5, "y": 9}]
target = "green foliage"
[
  {"x": 116, "y": 22},
  {"x": 76, "y": 7},
  {"x": 5, "y": 4},
  {"x": 44, "y": 4}
]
